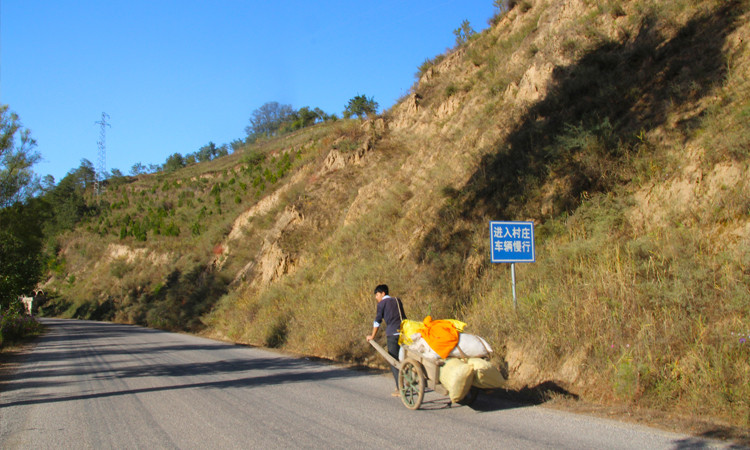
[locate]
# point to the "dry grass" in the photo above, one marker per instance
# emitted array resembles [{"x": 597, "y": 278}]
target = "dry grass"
[{"x": 658, "y": 329}]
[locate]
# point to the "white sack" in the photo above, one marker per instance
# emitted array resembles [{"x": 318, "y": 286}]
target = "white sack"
[
  {"x": 473, "y": 346},
  {"x": 420, "y": 346}
]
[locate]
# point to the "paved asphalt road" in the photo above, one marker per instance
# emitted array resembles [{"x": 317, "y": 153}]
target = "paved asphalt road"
[{"x": 99, "y": 385}]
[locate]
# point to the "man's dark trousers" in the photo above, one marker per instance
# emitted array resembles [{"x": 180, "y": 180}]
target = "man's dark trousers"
[{"x": 393, "y": 349}]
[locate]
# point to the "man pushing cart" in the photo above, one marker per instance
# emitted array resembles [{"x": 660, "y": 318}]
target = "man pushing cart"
[{"x": 433, "y": 354}]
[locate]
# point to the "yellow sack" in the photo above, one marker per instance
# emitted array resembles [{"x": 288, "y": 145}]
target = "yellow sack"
[
  {"x": 458, "y": 324},
  {"x": 456, "y": 376},
  {"x": 486, "y": 376},
  {"x": 407, "y": 329}
]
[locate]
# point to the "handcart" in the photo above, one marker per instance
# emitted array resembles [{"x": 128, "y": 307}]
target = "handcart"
[{"x": 416, "y": 373}]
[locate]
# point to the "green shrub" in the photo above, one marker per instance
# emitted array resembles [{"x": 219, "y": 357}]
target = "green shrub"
[
  {"x": 427, "y": 64},
  {"x": 16, "y": 326},
  {"x": 172, "y": 229}
]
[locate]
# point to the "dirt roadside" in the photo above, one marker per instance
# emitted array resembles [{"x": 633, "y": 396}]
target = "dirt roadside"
[{"x": 696, "y": 426}]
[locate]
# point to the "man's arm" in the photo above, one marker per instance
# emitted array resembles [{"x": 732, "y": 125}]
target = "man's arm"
[
  {"x": 378, "y": 319},
  {"x": 374, "y": 332}
]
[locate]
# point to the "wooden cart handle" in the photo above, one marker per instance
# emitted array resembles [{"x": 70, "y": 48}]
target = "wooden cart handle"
[{"x": 391, "y": 360}]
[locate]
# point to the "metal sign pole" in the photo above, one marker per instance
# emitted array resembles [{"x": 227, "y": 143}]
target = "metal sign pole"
[
  {"x": 512, "y": 242},
  {"x": 513, "y": 276}
]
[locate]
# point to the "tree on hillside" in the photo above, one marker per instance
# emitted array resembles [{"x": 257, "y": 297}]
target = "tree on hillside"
[
  {"x": 463, "y": 33},
  {"x": 138, "y": 169},
  {"x": 48, "y": 183},
  {"x": 207, "y": 152},
  {"x": 26, "y": 225},
  {"x": 237, "y": 145},
  {"x": 267, "y": 119},
  {"x": 85, "y": 173},
  {"x": 304, "y": 117},
  {"x": 272, "y": 119},
  {"x": 504, "y": 6},
  {"x": 115, "y": 178},
  {"x": 174, "y": 162},
  {"x": 211, "y": 151},
  {"x": 17, "y": 181},
  {"x": 21, "y": 241},
  {"x": 67, "y": 200},
  {"x": 20, "y": 225},
  {"x": 360, "y": 106}
]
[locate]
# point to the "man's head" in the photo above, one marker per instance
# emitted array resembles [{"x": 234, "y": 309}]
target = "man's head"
[
  {"x": 382, "y": 288},
  {"x": 381, "y": 291}
]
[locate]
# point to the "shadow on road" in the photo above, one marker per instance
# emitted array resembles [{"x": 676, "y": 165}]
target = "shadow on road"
[
  {"x": 244, "y": 382},
  {"x": 76, "y": 351},
  {"x": 488, "y": 400},
  {"x": 500, "y": 399}
]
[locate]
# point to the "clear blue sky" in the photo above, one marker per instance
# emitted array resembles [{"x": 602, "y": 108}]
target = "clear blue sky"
[{"x": 174, "y": 75}]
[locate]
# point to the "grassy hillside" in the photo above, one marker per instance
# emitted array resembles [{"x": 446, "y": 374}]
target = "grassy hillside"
[{"x": 619, "y": 128}]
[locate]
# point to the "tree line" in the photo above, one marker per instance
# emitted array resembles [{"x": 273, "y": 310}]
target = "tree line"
[
  {"x": 273, "y": 118},
  {"x": 32, "y": 210}
]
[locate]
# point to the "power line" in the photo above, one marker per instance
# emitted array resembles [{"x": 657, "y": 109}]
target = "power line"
[{"x": 101, "y": 162}]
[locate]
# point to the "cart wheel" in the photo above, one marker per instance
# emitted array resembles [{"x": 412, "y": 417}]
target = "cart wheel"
[{"x": 411, "y": 383}]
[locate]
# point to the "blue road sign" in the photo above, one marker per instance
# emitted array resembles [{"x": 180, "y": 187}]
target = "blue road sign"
[{"x": 512, "y": 242}]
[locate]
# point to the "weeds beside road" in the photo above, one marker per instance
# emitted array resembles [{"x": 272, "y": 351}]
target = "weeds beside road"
[{"x": 17, "y": 327}]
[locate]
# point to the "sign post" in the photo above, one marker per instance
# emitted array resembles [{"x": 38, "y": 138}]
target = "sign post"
[
  {"x": 512, "y": 242},
  {"x": 513, "y": 277}
]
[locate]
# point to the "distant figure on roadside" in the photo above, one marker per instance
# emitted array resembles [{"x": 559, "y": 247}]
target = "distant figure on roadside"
[
  {"x": 392, "y": 310},
  {"x": 28, "y": 305}
]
